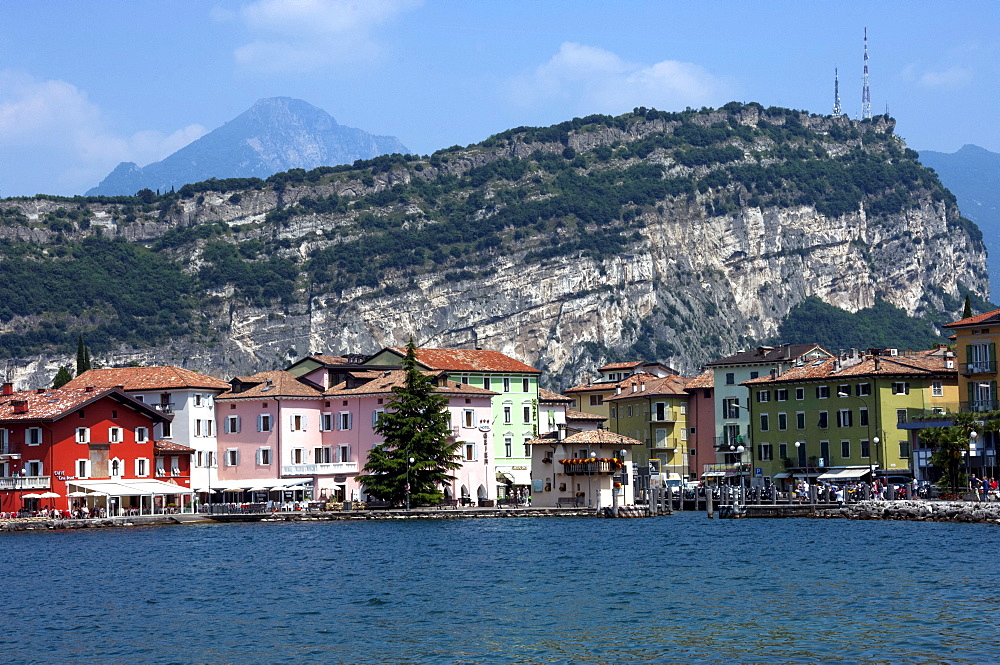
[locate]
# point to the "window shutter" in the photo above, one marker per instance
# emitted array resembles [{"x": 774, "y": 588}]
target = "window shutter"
[
  {"x": 350, "y": 420},
  {"x": 260, "y": 423},
  {"x": 237, "y": 423},
  {"x": 972, "y": 392},
  {"x": 374, "y": 418},
  {"x": 226, "y": 427},
  {"x": 968, "y": 354}
]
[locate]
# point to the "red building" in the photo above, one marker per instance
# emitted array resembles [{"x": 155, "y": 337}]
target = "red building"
[{"x": 63, "y": 449}]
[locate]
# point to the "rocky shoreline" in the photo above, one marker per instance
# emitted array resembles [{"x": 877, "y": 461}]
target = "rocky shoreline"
[{"x": 919, "y": 511}]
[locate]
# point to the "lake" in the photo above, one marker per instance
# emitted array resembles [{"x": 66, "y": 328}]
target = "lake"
[{"x": 531, "y": 590}]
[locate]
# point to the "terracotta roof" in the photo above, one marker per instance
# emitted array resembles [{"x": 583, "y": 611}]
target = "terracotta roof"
[
  {"x": 549, "y": 396},
  {"x": 146, "y": 378},
  {"x": 704, "y": 380},
  {"x": 767, "y": 355},
  {"x": 170, "y": 447},
  {"x": 468, "y": 360},
  {"x": 655, "y": 385},
  {"x": 588, "y": 437},
  {"x": 330, "y": 360},
  {"x": 266, "y": 385},
  {"x": 922, "y": 364},
  {"x": 580, "y": 415},
  {"x": 596, "y": 386},
  {"x": 626, "y": 365},
  {"x": 986, "y": 317},
  {"x": 56, "y": 404},
  {"x": 389, "y": 379}
]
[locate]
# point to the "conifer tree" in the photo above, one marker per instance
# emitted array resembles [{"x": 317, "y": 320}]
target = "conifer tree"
[
  {"x": 63, "y": 376},
  {"x": 967, "y": 312},
  {"x": 416, "y": 424},
  {"x": 82, "y": 360}
]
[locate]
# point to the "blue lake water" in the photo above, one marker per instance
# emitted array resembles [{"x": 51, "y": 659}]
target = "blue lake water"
[{"x": 532, "y": 590}]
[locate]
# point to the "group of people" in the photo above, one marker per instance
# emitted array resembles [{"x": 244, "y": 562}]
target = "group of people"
[{"x": 984, "y": 489}]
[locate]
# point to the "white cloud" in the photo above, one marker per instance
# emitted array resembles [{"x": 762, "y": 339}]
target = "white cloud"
[
  {"x": 593, "y": 80},
  {"x": 310, "y": 35},
  {"x": 952, "y": 77},
  {"x": 56, "y": 141}
]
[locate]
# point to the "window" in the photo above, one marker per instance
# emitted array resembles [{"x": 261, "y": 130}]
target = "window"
[
  {"x": 863, "y": 389},
  {"x": 468, "y": 418},
  {"x": 783, "y": 450},
  {"x": 4, "y": 442},
  {"x": 197, "y": 399},
  {"x": 800, "y": 393},
  {"x": 782, "y": 421},
  {"x": 507, "y": 417},
  {"x": 33, "y": 436},
  {"x": 822, "y": 392},
  {"x": 470, "y": 452},
  {"x": 527, "y": 448},
  {"x": 628, "y": 410},
  {"x": 209, "y": 427},
  {"x": 845, "y": 418},
  {"x": 298, "y": 455},
  {"x": 730, "y": 378},
  {"x": 199, "y": 459},
  {"x": 824, "y": 453},
  {"x": 684, "y": 434},
  {"x": 465, "y": 380},
  {"x": 232, "y": 424},
  {"x": 508, "y": 443},
  {"x": 166, "y": 431},
  {"x": 781, "y": 394},
  {"x": 904, "y": 449},
  {"x": 614, "y": 412},
  {"x": 326, "y": 422},
  {"x": 486, "y": 382},
  {"x": 901, "y": 388},
  {"x": 937, "y": 389},
  {"x": 377, "y": 416},
  {"x": 525, "y": 385},
  {"x": 765, "y": 452},
  {"x": 844, "y": 390},
  {"x": 981, "y": 358},
  {"x": 160, "y": 470},
  {"x": 323, "y": 455},
  {"x": 344, "y": 420},
  {"x": 141, "y": 434},
  {"x": 115, "y": 435},
  {"x": 596, "y": 400},
  {"x": 824, "y": 420},
  {"x": 506, "y": 384},
  {"x": 754, "y": 375},
  {"x": 866, "y": 450},
  {"x": 83, "y": 435},
  {"x": 764, "y": 422},
  {"x": 900, "y": 416},
  {"x": 231, "y": 457},
  {"x": 175, "y": 465},
  {"x": 800, "y": 420},
  {"x": 526, "y": 412},
  {"x": 731, "y": 408},
  {"x": 83, "y": 468},
  {"x": 845, "y": 449},
  {"x": 264, "y": 422},
  {"x": 343, "y": 453},
  {"x": 141, "y": 467},
  {"x": 863, "y": 417},
  {"x": 763, "y": 395}
]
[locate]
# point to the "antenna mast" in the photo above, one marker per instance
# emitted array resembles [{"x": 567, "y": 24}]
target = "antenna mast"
[
  {"x": 836, "y": 93},
  {"x": 866, "y": 95}
]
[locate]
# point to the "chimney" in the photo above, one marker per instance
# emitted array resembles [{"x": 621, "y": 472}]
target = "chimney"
[
  {"x": 20, "y": 406},
  {"x": 560, "y": 431},
  {"x": 618, "y": 390},
  {"x": 642, "y": 387},
  {"x": 41, "y": 391},
  {"x": 89, "y": 389},
  {"x": 8, "y": 388}
]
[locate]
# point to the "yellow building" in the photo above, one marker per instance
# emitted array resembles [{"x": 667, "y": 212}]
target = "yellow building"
[{"x": 976, "y": 356}]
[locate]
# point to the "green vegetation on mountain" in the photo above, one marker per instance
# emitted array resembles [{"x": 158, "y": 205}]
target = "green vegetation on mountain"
[
  {"x": 589, "y": 187},
  {"x": 882, "y": 326}
]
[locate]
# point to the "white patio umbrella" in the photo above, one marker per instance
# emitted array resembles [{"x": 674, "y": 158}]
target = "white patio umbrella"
[
  {"x": 258, "y": 489},
  {"x": 31, "y": 495},
  {"x": 49, "y": 495},
  {"x": 77, "y": 494}
]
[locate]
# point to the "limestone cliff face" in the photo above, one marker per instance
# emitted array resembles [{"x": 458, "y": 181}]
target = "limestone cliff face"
[{"x": 690, "y": 286}]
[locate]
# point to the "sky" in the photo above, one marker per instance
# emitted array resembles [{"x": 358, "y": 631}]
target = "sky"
[{"x": 86, "y": 85}]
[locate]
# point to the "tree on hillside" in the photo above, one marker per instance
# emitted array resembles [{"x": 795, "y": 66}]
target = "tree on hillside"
[
  {"x": 82, "y": 357},
  {"x": 967, "y": 312},
  {"x": 63, "y": 376},
  {"x": 415, "y": 425}
]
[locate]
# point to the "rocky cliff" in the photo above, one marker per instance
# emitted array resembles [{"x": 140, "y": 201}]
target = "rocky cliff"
[{"x": 675, "y": 237}]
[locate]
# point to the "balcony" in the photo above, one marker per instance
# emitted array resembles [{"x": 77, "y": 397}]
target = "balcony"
[
  {"x": 333, "y": 468},
  {"x": 666, "y": 416},
  {"x": 981, "y": 405},
  {"x": 585, "y": 467},
  {"x": 24, "y": 483},
  {"x": 664, "y": 444},
  {"x": 979, "y": 367}
]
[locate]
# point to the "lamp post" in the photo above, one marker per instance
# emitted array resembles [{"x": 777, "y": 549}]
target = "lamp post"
[
  {"x": 590, "y": 475},
  {"x": 409, "y": 461},
  {"x": 973, "y": 435}
]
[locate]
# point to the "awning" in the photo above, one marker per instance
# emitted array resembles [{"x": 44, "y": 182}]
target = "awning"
[
  {"x": 137, "y": 487},
  {"x": 714, "y": 474},
  {"x": 520, "y": 474},
  {"x": 845, "y": 474},
  {"x": 782, "y": 475}
]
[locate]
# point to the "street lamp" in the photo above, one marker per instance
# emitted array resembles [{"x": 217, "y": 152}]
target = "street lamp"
[
  {"x": 590, "y": 475},
  {"x": 409, "y": 461},
  {"x": 973, "y": 435}
]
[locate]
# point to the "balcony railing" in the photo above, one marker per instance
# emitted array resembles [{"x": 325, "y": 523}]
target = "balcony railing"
[
  {"x": 981, "y": 405},
  {"x": 319, "y": 469},
  {"x": 576, "y": 467},
  {"x": 24, "y": 483},
  {"x": 164, "y": 407},
  {"x": 979, "y": 367},
  {"x": 668, "y": 416},
  {"x": 665, "y": 444}
]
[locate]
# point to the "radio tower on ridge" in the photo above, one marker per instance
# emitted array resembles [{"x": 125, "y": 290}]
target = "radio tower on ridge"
[
  {"x": 866, "y": 95},
  {"x": 836, "y": 93}
]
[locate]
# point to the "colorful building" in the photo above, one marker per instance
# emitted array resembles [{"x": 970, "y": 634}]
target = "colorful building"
[
  {"x": 701, "y": 421},
  {"x": 976, "y": 355},
  {"x": 591, "y": 395},
  {"x": 61, "y": 449},
  {"x": 844, "y": 418},
  {"x": 582, "y": 469}
]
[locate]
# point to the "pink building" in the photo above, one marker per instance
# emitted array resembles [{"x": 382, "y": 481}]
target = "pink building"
[{"x": 277, "y": 430}]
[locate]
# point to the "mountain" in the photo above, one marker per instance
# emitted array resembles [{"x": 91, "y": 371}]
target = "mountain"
[
  {"x": 275, "y": 134},
  {"x": 973, "y": 175},
  {"x": 677, "y": 237}
]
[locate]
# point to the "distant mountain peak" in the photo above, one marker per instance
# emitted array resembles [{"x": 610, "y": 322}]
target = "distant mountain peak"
[{"x": 273, "y": 135}]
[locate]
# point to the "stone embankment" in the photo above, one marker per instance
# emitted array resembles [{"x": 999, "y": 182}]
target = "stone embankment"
[{"x": 920, "y": 511}]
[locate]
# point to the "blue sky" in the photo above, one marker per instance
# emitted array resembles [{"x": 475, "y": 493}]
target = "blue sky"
[{"x": 85, "y": 85}]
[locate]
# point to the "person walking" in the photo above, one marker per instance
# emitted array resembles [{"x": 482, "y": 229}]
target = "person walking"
[{"x": 974, "y": 487}]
